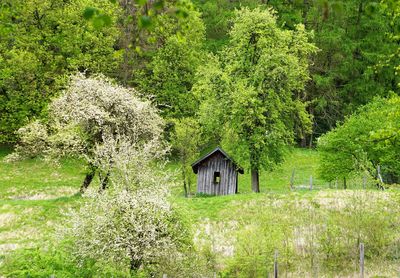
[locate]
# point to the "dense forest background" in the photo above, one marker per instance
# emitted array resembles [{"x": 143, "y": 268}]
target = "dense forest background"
[{"x": 159, "y": 46}]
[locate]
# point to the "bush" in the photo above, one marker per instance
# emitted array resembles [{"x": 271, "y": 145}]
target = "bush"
[
  {"x": 54, "y": 261},
  {"x": 132, "y": 226},
  {"x": 365, "y": 140}
]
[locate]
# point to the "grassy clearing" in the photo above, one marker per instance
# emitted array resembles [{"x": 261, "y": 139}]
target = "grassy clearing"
[
  {"x": 33, "y": 195},
  {"x": 273, "y": 185},
  {"x": 316, "y": 232},
  {"x": 25, "y": 179}
]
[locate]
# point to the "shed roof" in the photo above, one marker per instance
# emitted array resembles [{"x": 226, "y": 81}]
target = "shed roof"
[{"x": 196, "y": 164}]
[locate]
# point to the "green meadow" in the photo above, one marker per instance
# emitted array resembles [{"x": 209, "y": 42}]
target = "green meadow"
[{"x": 315, "y": 232}]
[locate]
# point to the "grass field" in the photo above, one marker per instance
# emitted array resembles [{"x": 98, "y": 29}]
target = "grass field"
[{"x": 241, "y": 231}]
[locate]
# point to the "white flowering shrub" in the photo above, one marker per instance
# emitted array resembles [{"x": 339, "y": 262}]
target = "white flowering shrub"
[
  {"x": 87, "y": 120},
  {"x": 132, "y": 225},
  {"x": 129, "y": 228}
]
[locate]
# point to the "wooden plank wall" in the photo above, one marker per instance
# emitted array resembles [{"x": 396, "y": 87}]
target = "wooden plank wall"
[{"x": 205, "y": 176}]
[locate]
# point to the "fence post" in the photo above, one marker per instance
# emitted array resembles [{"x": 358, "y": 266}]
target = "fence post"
[
  {"x": 292, "y": 180},
  {"x": 361, "y": 260},
  {"x": 276, "y": 264},
  {"x": 378, "y": 169},
  {"x": 164, "y": 276},
  {"x": 311, "y": 182}
]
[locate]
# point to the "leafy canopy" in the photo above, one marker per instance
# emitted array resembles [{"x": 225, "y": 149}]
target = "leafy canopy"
[
  {"x": 365, "y": 140},
  {"x": 41, "y": 44},
  {"x": 253, "y": 89}
]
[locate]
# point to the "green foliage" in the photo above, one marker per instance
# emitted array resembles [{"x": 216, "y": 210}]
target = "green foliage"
[
  {"x": 54, "y": 261},
  {"x": 169, "y": 72},
  {"x": 186, "y": 140},
  {"x": 212, "y": 88},
  {"x": 392, "y": 10},
  {"x": 254, "y": 89},
  {"x": 358, "y": 42},
  {"x": 363, "y": 219},
  {"x": 348, "y": 71},
  {"x": 365, "y": 140},
  {"x": 41, "y": 42}
]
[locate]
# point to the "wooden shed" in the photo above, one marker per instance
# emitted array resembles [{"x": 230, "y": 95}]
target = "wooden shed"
[{"x": 217, "y": 173}]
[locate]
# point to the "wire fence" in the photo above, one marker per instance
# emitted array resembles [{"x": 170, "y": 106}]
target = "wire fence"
[
  {"x": 360, "y": 181},
  {"x": 275, "y": 268}
]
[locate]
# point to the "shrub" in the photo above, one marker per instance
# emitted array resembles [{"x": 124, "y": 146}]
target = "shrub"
[
  {"x": 132, "y": 225},
  {"x": 54, "y": 261},
  {"x": 365, "y": 140}
]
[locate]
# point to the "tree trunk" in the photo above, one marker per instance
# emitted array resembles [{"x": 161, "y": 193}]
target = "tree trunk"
[
  {"x": 104, "y": 182},
  {"x": 303, "y": 142},
  {"x": 134, "y": 265},
  {"x": 185, "y": 187},
  {"x": 88, "y": 179},
  {"x": 344, "y": 183},
  {"x": 255, "y": 181},
  {"x": 189, "y": 186}
]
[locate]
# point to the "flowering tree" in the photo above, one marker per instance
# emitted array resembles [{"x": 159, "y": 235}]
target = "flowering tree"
[
  {"x": 132, "y": 225},
  {"x": 87, "y": 120}
]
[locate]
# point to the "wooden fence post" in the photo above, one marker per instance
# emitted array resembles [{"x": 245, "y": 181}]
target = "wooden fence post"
[
  {"x": 276, "y": 264},
  {"x": 311, "y": 182},
  {"x": 361, "y": 260},
  {"x": 378, "y": 169},
  {"x": 292, "y": 180}
]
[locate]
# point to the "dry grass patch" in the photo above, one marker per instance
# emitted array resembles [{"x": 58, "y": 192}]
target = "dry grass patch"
[
  {"x": 46, "y": 193},
  {"x": 6, "y": 219}
]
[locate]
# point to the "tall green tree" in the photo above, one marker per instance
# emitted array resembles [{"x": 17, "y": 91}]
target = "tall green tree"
[
  {"x": 162, "y": 48},
  {"x": 348, "y": 72},
  {"x": 358, "y": 50},
  {"x": 265, "y": 68},
  {"x": 41, "y": 42},
  {"x": 173, "y": 66}
]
